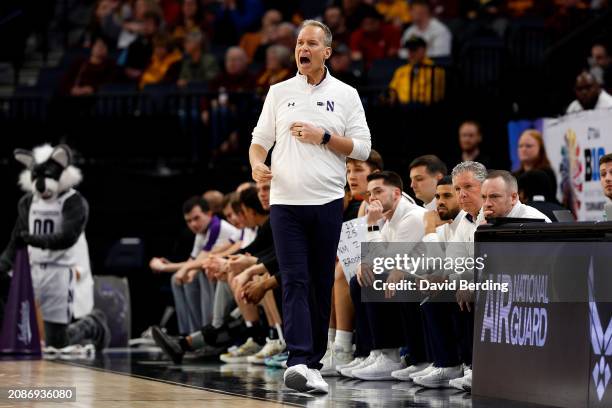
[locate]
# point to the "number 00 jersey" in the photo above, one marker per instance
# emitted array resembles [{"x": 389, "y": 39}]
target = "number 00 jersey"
[{"x": 46, "y": 218}]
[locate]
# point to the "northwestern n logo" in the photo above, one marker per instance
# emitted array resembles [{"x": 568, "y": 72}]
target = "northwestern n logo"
[{"x": 330, "y": 106}]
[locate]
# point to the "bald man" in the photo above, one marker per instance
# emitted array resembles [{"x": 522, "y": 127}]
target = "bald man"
[{"x": 589, "y": 95}]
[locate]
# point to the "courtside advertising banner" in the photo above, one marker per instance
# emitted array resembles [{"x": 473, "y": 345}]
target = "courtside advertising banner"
[{"x": 574, "y": 143}]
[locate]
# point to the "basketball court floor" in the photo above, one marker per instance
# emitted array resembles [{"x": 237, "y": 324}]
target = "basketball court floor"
[{"x": 122, "y": 378}]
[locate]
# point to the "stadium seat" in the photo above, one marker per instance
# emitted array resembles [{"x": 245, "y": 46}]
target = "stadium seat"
[{"x": 382, "y": 70}]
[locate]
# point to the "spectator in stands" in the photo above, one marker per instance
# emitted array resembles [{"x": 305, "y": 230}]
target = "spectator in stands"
[
  {"x": 500, "y": 198},
  {"x": 601, "y": 64},
  {"x": 532, "y": 156},
  {"x": 396, "y": 12},
  {"x": 171, "y": 10},
  {"x": 222, "y": 113},
  {"x": 234, "y": 18},
  {"x": 250, "y": 41},
  {"x": 605, "y": 174},
  {"x": 374, "y": 39},
  {"x": 106, "y": 20},
  {"x": 138, "y": 55},
  {"x": 278, "y": 61},
  {"x": 236, "y": 76},
  {"x": 135, "y": 25},
  {"x": 425, "y": 172},
  {"x": 197, "y": 65},
  {"x": 191, "y": 19},
  {"x": 534, "y": 191},
  {"x": 85, "y": 77},
  {"x": 165, "y": 63},
  {"x": 424, "y": 25},
  {"x": 470, "y": 139},
  {"x": 589, "y": 95},
  {"x": 334, "y": 19},
  {"x": 419, "y": 81},
  {"x": 567, "y": 15},
  {"x": 283, "y": 34},
  {"x": 340, "y": 65}
]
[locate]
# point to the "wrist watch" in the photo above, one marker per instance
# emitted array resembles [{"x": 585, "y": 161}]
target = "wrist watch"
[
  {"x": 326, "y": 137},
  {"x": 372, "y": 228}
]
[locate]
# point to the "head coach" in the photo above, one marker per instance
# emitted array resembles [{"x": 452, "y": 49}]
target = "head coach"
[{"x": 314, "y": 122}]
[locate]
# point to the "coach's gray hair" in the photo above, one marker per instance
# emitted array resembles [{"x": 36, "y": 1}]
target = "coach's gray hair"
[
  {"x": 326, "y": 30},
  {"x": 478, "y": 169},
  {"x": 509, "y": 179}
]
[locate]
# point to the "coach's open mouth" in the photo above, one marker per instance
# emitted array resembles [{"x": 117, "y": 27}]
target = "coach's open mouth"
[{"x": 304, "y": 61}]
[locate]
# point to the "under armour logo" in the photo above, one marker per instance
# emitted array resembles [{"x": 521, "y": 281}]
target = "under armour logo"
[{"x": 291, "y": 104}]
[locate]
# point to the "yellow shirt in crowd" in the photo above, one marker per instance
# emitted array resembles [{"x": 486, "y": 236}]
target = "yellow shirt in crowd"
[
  {"x": 397, "y": 10},
  {"x": 424, "y": 83}
]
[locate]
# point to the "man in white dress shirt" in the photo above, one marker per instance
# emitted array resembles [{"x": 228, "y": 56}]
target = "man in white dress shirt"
[
  {"x": 391, "y": 219},
  {"x": 425, "y": 172},
  {"x": 500, "y": 198},
  {"x": 314, "y": 122},
  {"x": 467, "y": 178}
]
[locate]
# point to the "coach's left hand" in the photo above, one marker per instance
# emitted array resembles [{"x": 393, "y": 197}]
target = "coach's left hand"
[
  {"x": 307, "y": 133},
  {"x": 464, "y": 298}
]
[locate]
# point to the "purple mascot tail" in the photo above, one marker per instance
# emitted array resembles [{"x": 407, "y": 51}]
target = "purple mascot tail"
[{"x": 19, "y": 335}]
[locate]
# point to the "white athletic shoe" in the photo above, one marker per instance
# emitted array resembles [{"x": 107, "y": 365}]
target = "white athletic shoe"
[
  {"x": 335, "y": 357},
  {"x": 240, "y": 355},
  {"x": 404, "y": 374},
  {"x": 348, "y": 371},
  {"x": 352, "y": 363},
  {"x": 303, "y": 379},
  {"x": 380, "y": 370},
  {"x": 422, "y": 373},
  {"x": 463, "y": 383},
  {"x": 271, "y": 348},
  {"x": 439, "y": 377}
]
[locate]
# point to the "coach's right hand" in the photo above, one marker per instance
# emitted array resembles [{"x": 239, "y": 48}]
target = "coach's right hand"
[{"x": 261, "y": 173}]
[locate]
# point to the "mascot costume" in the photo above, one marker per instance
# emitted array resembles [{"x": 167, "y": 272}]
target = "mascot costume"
[{"x": 51, "y": 222}]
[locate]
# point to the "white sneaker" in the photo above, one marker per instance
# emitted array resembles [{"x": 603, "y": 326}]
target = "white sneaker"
[
  {"x": 348, "y": 371},
  {"x": 404, "y": 374},
  {"x": 352, "y": 363},
  {"x": 463, "y": 383},
  {"x": 380, "y": 370},
  {"x": 316, "y": 381},
  {"x": 439, "y": 377},
  {"x": 327, "y": 359},
  {"x": 467, "y": 381},
  {"x": 271, "y": 348},
  {"x": 422, "y": 373},
  {"x": 336, "y": 357},
  {"x": 240, "y": 355},
  {"x": 303, "y": 379}
]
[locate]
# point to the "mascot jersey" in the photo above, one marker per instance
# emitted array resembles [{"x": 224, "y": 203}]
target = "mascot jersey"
[{"x": 46, "y": 218}]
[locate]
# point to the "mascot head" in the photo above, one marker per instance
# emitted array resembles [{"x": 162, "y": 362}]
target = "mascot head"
[{"x": 49, "y": 171}]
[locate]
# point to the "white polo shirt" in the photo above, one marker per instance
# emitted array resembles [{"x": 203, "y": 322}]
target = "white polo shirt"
[{"x": 304, "y": 173}]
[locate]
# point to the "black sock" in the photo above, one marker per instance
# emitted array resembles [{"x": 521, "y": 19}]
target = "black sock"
[
  {"x": 185, "y": 344},
  {"x": 273, "y": 333},
  {"x": 258, "y": 332}
]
